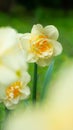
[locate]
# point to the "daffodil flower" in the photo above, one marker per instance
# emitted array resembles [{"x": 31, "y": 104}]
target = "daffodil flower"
[
  {"x": 41, "y": 44},
  {"x": 13, "y": 69},
  {"x": 57, "y": 111}
]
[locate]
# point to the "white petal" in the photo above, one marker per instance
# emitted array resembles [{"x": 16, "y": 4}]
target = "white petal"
[
  {"x": 24, "y": 45},
  {"x": 51, "y": 31},
  {"x": 15, "y": 61},
  {"x": 31, "y": 58},
  {"x": 16, "y": 100},
  {"x": 44, "y": 62},
  {"x": 57, "y": 48},
  {"x": 7, "y": 39},
  {"x": 9, "y": 105},
  {"x": 25, "y": 92},
  {"x": 2, "y": 91},
  {"x": 6, "y": 75},
  {"x": 25, "y": 78},
  {"x": 24, "y": 36},
  {"x": 37, "y": 29}
]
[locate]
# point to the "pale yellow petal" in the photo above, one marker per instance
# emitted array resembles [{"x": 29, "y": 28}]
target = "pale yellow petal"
[
  {"x": 15, "y": 100},
  {"x": 25, "y": 77},
  {"x": 15, "y": 61},
  {"x": 57, "y": 48},
  {"x": 7, "y": 39},
  {"x": 31, "y": 58},
  {"x": 9, "y": 105},
  {"x": 2, "y": 91},
  {"x": 24, "y": 45},
  {"x": 25, "y": 93},
  {"x": 44, "y": 62},
  {"x": 51, "y": 31},
  {"x": 37, "y": 29},
  {"x": 7, "y": 75}
]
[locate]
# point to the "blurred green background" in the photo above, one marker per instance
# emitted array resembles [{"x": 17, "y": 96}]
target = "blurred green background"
[{"x": 23, "y": 14}]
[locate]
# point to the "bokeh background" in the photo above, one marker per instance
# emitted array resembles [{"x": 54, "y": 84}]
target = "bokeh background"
[{"x": 23, "y": 14}]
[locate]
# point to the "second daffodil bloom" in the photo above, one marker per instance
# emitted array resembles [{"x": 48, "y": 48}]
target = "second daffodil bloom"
[
  {"x": 13, "y": 70},
  {"x": 41, "y": 44}
]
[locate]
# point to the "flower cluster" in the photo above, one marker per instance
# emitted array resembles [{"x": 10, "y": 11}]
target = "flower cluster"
[
  {"x": 16, "y": 51},
  {"x": 13, "y": 70}
]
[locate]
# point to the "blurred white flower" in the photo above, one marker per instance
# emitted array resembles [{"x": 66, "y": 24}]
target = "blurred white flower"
[
  {"x": 55, "y": 115},
  {"x": 13, "y": 69},
  {"x": 41, "y": 44}
]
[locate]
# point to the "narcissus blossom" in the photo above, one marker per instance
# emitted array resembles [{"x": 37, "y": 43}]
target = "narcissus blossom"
[
  {"x": 13, "y": 69},
  {"x": 41, "y": 44},
  {"x": 57, "y": 111}
]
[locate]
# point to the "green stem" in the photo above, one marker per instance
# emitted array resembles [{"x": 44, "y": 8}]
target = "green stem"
[
  {"x": 0, "y": 125},
  {"x": 34, "y": 92}
]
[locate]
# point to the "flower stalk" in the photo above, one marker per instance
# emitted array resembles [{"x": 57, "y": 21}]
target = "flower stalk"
[{"x": 34, "y": 91}]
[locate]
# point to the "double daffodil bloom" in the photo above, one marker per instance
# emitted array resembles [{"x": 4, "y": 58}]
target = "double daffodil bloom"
[
  {"x": 13, "y": 69},
  {"x": 41, "y": 44}
]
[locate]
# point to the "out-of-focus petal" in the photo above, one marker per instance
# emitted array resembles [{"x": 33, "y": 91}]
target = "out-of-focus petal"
[
  {"x": 15, "y": 61},
  {"x": 7, "y": 75},
  {"x": 7, "y": 39}
]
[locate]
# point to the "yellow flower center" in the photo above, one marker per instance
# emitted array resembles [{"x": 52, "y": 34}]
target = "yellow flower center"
[
  {"x": 41, "y": 45},
  {"x": 13, "y": 90}
]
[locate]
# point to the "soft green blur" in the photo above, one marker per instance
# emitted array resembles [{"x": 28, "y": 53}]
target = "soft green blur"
[{"x": 23, "y": 20}]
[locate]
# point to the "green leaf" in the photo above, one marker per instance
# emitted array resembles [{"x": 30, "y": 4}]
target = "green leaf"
[
  {"x": 2, "y": 112},
  {"x": 47, "y": 80}
]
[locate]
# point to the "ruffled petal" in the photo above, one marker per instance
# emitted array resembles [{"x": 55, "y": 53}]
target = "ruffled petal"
[
  {"x": 51, "y": 31},
  {"x": 44, "y": 62},
  {"x": 25, "y": 78},
  {"x": 25, "y": 93},
  {"x": 15, "y": 100},
  {"x": 9, "y": 104},
  {"x": 7, "y": 75},
  {"x": 24, "y": 44},
  {"x": 31, "y": 58},
  {"x": 37, "y": 29},
  {"x": 57, "y": 48}
]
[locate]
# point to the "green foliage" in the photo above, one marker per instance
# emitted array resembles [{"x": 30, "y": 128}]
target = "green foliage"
[
  {"x": 24, "y": 23},
  {"x": 47, "y": 80},
  {"x": 2, "y": 112}
]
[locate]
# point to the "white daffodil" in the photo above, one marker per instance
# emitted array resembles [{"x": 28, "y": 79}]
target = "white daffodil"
[
  {"x": 13, "y": 69},
  {"x": 56, "y": 113},
  {"x": 16, "y": 91},
  {"x": 41, "y": 44}
]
